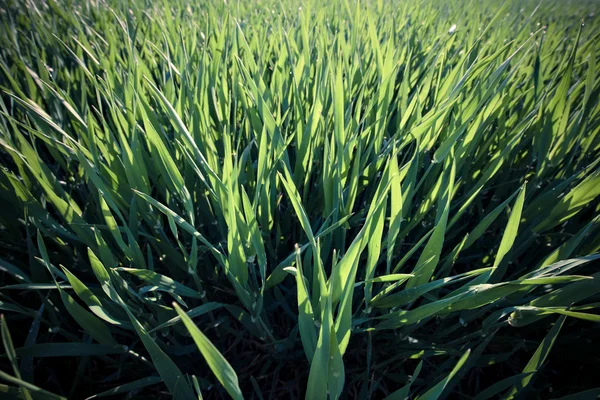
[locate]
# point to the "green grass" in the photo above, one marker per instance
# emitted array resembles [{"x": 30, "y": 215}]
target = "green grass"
[{"x": 259, "y": 199}]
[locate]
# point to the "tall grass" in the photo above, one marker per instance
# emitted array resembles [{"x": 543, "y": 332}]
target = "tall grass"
[{"x": 355, "y": 199}]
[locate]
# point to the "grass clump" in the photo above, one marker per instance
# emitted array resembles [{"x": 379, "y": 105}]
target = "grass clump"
[{"x": 262, "y": 199}]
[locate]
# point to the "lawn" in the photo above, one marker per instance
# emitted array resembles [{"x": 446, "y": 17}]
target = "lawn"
[{"x": 299, "y": 199}]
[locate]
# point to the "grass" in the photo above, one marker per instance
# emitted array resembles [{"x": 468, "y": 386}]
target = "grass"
[{"x": 358, "y": 199}]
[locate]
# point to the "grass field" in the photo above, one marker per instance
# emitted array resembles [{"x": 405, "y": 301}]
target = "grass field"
[{"x": 283, "y": 199}]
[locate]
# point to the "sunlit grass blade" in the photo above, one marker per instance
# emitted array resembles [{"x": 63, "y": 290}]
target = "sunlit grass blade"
[{"x": 217, "y": 363}]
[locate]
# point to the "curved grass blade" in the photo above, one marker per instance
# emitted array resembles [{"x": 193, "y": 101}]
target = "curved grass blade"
[{"x": 217, "y": 363}]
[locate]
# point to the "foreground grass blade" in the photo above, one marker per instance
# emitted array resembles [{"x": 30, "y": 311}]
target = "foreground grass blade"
[
  {"x": 538, "y": 358},
  {"x": 12, "y": 355},
  {"x": 436, "y": 391},
  {"x": 217, "y": 363}
]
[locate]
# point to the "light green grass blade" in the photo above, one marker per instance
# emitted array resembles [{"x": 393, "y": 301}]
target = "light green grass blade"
[
  {"x": 538, "y": 358},
  {"x": 437, "y": 390},
  {"x": 217, "y": 363}
]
